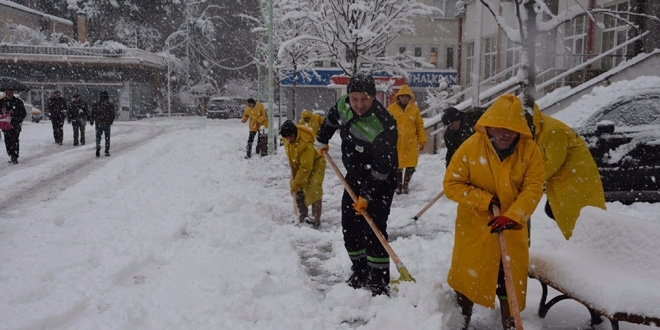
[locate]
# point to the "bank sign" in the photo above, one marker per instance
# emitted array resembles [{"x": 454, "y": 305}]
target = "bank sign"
[{"x": 323, "y": 77}]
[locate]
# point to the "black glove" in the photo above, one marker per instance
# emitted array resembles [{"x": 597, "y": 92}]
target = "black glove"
[
  {"x": 493, "y": 202},
  {"x": 300, "y": 196}
]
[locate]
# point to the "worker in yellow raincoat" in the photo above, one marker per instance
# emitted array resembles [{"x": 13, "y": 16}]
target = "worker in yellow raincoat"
[
  {"x": 499, "y": 165},
  {"x": 412, "y": 136},
  {"x": 307, "y": 170},
  {"x": 571, "y": 176},
  {"x": 311, "y": 120},
  {"x": 257, "y": 116}
]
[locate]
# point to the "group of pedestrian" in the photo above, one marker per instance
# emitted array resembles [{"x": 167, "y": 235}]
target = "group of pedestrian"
[
  {"x": 499, "y": 161},
  {"x": 77, "y": 113}
]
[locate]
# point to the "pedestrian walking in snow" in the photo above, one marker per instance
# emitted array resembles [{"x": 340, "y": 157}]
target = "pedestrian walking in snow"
[
  {"x": 369, "y": 136},
  {"x": 459, "y": 126},
  {"x": 572, "y": 180},
  {"x": 412, "y": 136},
  {"x": 57, "y": 110},
  {"x": 499, "y": 165},
  {"x": 15, "y": 109},
  {"x": 77, "y": 117},
  {"x": 103, "y": 115},
  {"x": 257, "y": 116},
  {"x": 307, "y": 171}
]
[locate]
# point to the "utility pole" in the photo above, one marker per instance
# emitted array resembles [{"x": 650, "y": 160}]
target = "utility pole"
[
  {"x": 477, "y": 56},
  {"x": 271, "y": 100}
]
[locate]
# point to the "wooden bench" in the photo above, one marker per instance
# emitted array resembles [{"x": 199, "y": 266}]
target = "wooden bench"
[{"x": 611, "y": 265}]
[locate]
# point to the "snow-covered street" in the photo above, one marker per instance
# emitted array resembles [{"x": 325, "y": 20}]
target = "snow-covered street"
[{"x": 176, "y": 230}]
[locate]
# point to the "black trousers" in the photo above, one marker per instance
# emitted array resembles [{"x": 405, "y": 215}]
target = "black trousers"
[
  {"x": 11, "y": 142},
  {"x": 78, "y": 130},
  {"x": 362, "y": 244},
  {"x": 58, "y": 130}
]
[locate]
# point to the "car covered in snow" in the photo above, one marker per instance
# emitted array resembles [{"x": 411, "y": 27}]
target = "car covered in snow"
[
  {"x": 223, "y": 107},
  {"x": 622, "y": 129}
]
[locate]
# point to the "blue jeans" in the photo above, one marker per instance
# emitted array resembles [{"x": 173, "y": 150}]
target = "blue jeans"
[{"x": 100, "y": 130}]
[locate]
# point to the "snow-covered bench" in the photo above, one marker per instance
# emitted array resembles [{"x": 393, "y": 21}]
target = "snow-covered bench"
[{"x": 611, "y": 265}]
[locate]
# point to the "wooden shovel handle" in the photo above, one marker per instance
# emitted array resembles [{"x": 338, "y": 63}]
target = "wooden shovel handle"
[{"x": 508, "y": 277}]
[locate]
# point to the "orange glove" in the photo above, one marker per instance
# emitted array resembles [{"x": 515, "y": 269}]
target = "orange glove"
[
  {"x": 422, "y": 145},
  {"x": 361, "y": 205}
]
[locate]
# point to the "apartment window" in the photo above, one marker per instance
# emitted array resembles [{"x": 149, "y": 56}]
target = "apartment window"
[
  {"x": 574, "y": 35},
  {"x": 615, "y": 32},
  {"x": 512, "y": 54},
  {"x": 318, "y": 63},
  {"x": 417, "y": 51},
  {"x": 450, "y": 58},
  {"x": 469, "y": 61},
  {"x": 402, "y": 49},
  {"x": 448, "y": 8},
  {"x": 433, "y": 56},
  {"x": 333, "y": 64},
  {"x": 490, "y": 57}
]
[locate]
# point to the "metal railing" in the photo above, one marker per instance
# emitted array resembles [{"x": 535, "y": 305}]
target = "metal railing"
[{"x": 139, "y": 54}]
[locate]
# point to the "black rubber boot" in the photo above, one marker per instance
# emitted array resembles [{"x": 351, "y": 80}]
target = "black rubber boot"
[
  {"x": 360, "y": 277},
  {"x": 379, "y": 281},
  {"x": 466, "y": 308}
]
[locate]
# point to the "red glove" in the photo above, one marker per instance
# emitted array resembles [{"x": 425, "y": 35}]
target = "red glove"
[
  {"x": 500, "y": 223},
  {"x": 361, "y": 205}
]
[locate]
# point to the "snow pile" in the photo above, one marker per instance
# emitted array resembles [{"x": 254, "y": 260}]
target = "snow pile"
[{"x": 611, "y": 260}]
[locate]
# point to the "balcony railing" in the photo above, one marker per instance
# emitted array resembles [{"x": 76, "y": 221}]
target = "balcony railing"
[{"x": 127, "y": 53}]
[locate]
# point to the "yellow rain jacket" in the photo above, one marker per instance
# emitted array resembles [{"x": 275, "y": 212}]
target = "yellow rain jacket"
[
  {"x": 257, "y": 116},
  {"x": 475, "y": 174},
  {"x": 410, "y": 125},
  {"x": 311, "y": 120},
  {"x": 571, "y": 176},
  {"x": 307, "y": 166}
]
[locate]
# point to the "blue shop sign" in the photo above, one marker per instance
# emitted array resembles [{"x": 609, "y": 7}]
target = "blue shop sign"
[{"x": 322, "y": 77}]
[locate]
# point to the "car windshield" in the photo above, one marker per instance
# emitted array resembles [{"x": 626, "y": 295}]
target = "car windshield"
[{"x": 635, "y": 112}]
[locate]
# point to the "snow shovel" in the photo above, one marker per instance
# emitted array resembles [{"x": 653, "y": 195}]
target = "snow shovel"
[
  {"x": 508, "y": 277},
  {"x": 435, "y": 199},
  {"x": 403, "y": 271}
]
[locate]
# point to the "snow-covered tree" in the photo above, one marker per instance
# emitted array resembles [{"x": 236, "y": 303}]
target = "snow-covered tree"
[{"x": 355, "y": 33}]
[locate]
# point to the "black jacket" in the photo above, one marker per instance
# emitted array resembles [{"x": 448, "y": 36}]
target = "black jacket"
[
  {"x": 454, "y": 139},
  {"x": 103, "y": 113},
  {"x": 17, "y": 108},
  {"x": 368, "y": 145},
  {"x": 78, "y": 111},
  {"x": 57, "y": 109}
]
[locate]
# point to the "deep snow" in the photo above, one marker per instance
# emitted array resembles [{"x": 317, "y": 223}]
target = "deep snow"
[{"x": 177, "y": 231}]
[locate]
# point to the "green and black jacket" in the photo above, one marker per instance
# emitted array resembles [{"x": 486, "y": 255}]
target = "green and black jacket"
[{"x": 368, "y": 145}]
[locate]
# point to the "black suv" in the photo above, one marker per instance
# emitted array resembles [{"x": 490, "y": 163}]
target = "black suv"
[{"x": 624, "y": 139}]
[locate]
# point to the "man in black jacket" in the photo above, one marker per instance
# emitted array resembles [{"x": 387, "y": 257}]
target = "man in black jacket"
[
  {"x": 103, "y": 114},
  {"x": 78, "y": 113},
  {"x": 57, "y": 110},
  {"x": 459, "y": 126},
  {"x": 18, "y": 113},
  {"x": 369, "y": 136}
]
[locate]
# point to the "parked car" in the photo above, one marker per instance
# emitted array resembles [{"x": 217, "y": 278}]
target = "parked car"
[
  {"x": 623, "y": 135},
  {"x": 223, "y": 107}
]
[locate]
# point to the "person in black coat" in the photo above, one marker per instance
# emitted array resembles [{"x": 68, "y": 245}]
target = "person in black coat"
[
  {"x": 57, "y": 110},
  {"x": 459, "y": 126},
  {"x": 103, "y": 115},
  {"x": 369, "y": 136},
  {"x": 18, "y": 113},
  {"x": 77, "y": 117}
]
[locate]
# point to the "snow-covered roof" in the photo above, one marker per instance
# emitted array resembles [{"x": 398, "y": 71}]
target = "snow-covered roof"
[{"x": 30, "y": 10}]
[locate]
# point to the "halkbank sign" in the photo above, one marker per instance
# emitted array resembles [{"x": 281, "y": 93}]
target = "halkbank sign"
[{"x": 416, "y": 79}]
